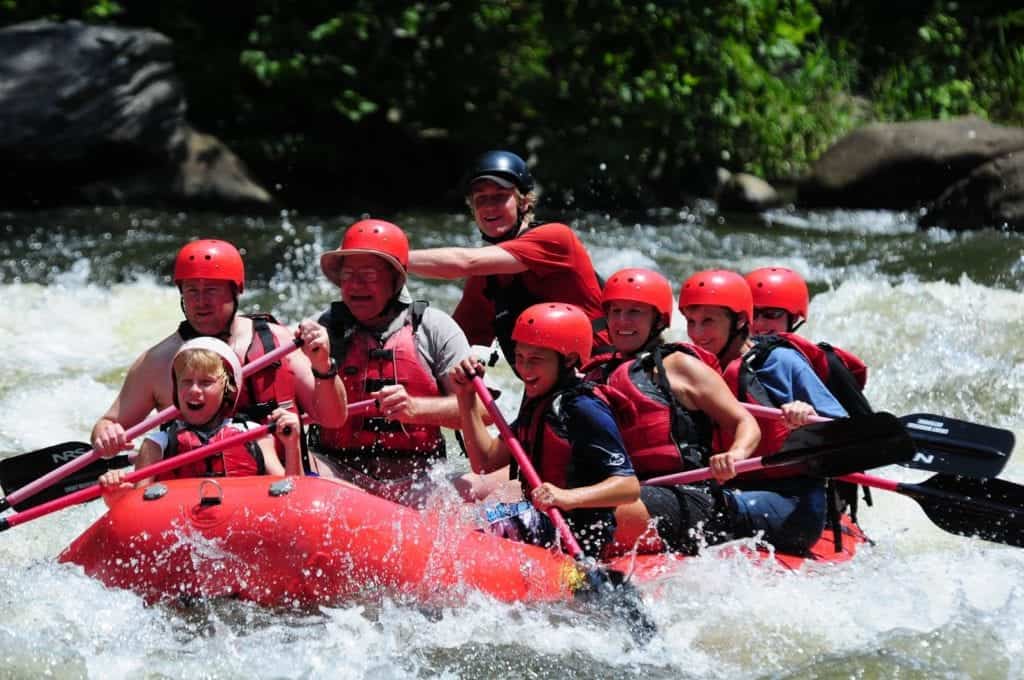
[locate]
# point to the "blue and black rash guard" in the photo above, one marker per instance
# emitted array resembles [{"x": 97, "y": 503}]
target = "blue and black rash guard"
[{"x": 598, "y": 452}]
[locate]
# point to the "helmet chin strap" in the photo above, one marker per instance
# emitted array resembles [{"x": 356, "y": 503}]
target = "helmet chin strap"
[
  {"x": 794, "y": 326},
  {"x": 508, "y": 235},
  {"x": 734, "y": 332}
]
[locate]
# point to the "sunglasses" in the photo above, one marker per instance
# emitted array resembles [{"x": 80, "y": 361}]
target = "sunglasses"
[{"x": 770, "y": 313}]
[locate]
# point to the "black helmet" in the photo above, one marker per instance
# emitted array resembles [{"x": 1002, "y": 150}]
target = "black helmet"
[{"x": 501, "y": 165}]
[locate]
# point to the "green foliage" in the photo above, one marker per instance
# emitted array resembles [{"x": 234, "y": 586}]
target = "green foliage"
[{"x": 617, "y": 100}]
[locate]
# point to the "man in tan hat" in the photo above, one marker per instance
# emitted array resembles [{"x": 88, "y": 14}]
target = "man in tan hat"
[{"x": 389, "y": 348}]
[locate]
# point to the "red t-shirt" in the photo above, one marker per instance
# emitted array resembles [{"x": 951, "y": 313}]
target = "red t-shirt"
[{"x": 558, "y": 270}]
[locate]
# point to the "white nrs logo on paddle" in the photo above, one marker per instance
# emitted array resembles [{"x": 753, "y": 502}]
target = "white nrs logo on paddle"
[
  {"x": 66, "y": 456},
  {"x": 926, "y": 458},
  {"x": 936, "y": 426}
]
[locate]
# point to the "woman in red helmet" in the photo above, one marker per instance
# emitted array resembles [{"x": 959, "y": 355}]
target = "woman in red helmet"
[
  {"x": 210, "y": 277},
  {"x": 680, "y": 399},
  {"x": 389, "y": 348},
  {"x": 780, "y": 300},
  {"x": 525, "y": 262},
  {"x": 790, "y": 511},
  {"x": 564, "y": 425}
]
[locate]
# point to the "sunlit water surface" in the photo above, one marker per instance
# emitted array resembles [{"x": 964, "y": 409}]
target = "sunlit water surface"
[{"x": 937, "y": 315}]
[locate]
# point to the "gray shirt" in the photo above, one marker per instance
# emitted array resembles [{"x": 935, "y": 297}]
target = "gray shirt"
[{"x": 439, "y": 340}]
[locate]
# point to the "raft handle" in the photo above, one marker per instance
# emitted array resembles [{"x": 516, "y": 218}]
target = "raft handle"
[{"x": 205, "y": 500}]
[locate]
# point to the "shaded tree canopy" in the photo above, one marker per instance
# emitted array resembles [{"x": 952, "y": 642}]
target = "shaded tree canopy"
[{"x": 616, "y": 102}]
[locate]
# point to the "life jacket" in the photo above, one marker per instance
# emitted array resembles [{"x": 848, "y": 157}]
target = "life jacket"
[
  {"x": 267, "y": 389},
  {"x": 843, "y": 373},
  {"x": 665, "y": 437},
  {"x": 511, "y": 299},
  {"x": 367, "y": 362},
  {"x": 543, "y": 429},
  {"x": 238, "y": 460}
]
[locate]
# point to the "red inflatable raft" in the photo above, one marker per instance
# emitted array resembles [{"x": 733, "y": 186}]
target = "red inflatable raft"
[{"x": 305, "y": 540}]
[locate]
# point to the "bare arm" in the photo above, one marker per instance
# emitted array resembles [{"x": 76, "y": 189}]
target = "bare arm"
[
  {"x": 486, "y": 453},
  {"x": 611, "y": 492},
  {"x": 271, "y": 463},
  {"x": 137, "y": 398},
  {"x": 460, "y": 263},
  {"x": 698, "y": 386},
  {"x": 324, "y": 399}
]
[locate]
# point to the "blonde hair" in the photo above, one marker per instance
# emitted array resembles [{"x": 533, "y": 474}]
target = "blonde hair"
[{"x": 205, "y": 362}]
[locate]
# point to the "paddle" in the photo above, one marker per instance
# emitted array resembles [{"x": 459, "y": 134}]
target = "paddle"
[
  {"x": 79, "y": 462},
  {"x": 942, "y": 444},
  {"x": 824, "y": 449},
  {"x": 20, "y": 470},
  {"x": 600, "y": 580},
  {"x": 160, "y": 467},
  {"x": 990, "y": 509}
]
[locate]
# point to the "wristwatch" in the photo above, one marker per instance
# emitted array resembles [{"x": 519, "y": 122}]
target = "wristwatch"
[{"x": 330, "y": 373}]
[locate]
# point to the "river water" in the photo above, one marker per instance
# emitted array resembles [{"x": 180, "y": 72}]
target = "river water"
[{"x": 937, "y": 315}]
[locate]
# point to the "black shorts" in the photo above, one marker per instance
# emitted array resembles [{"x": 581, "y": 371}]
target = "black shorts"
[{"x": 688, "y": 516}]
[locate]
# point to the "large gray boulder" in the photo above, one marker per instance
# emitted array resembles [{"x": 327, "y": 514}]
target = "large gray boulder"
[
  {"x": 96, "y": 113},
  {"x": 904, "y": 165},
  {"x": 992, "y": 195}
]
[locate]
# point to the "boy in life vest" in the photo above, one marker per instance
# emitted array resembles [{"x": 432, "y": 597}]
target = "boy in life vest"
[
  {"x": 680, "y": 399},
  {"x": 790, "y": 511},
  {"x": 523, "y": 263},
  {"x": 206, "y": 373},
  {"x": 565, "y": 425}
]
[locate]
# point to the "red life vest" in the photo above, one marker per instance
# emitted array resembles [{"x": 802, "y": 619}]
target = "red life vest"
[
  {"x": 238, "y": 460},
  {"x": 842, "y": 372},
  {"x": 271, "y": 387},
  {"x": 664, "y": 437},
  {"x": 542, "y": 430},
  {"x": 367, "y": 363}
]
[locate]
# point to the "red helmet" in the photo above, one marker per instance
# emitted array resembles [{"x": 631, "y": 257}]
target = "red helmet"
[
  {"x": 719, "y": 288},
  {"x": 641, "y": 285},
  {"x": 210, "y": 259},
  {"x": 370, "y": 237},
  {"x": 232, "y": 366},
  {"x": 555, "y": 325},
  {"x": 779, "y": 287}
]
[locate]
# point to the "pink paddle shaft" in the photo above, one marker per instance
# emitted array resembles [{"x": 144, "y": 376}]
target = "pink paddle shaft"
[
  {"x": 524, "y": 463},
  {"x": 91, "y": 492},
  {"x": 748, "y": 465},
  {"x": 54, "y": 476},
  {"x": 692, "y": 476}
]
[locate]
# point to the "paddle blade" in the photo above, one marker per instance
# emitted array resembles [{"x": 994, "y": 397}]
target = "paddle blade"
[
  {"x": 610, "y": 592},
  {"x": 957, "y": 447},
  {"x": 839, "y": 447},
  {"x": 17, "y": 471},
  {"x": 990, "y": 509}
]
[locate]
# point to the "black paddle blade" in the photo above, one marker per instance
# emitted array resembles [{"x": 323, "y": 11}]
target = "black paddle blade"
[
  {"x": 17, "y": 471},
  {"x": 844, "y": 445},
  {"x": 612, "y": 592},
  {"x": 990, "y": 509},
  {"x": 957, "y": 447}
]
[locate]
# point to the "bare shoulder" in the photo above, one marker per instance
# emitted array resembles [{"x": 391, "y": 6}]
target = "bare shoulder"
[{"x": 158, "y": 357}]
